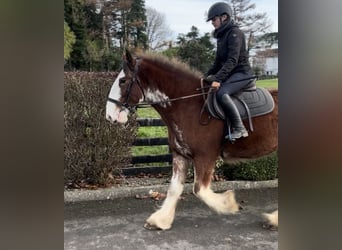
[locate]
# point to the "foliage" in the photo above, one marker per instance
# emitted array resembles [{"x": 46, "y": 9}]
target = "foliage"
[
  {"x": 269, "y": 38},
  {"x": 171, "y": 52},
  {"x": 69, "y": 40},
  {"x": 265, "y": 168},
  {"x": 136, "y": 20},
  {"x": 93, "y": 148},
  {"x": 102, "y": 30},
  {"x": 194, "y": 50}
]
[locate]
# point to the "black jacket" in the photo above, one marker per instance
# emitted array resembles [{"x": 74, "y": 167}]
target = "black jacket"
[{"x": 231, "y": 54}]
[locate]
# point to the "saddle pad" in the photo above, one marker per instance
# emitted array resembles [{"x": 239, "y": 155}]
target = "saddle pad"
[{"x": 259, "y": 102}]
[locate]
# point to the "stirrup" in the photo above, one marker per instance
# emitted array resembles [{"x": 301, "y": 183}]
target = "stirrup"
[
  {"x": 229, "y": 135},
  {"x": 238, "y": 133}
]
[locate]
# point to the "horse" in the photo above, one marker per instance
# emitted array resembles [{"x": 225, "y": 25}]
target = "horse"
[{"x": 172, "y": 89}]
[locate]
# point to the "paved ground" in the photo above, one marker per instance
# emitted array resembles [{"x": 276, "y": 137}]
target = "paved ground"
[{"x": 118, "y": 224}]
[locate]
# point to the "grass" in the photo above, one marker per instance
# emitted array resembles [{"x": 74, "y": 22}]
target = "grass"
[
  {"x": 270, "y": 83},
  {"x": 147, "y": 113},
  {"x": 152, "y": 132},
  {"x": 150, "y": 150},
  {"x": 162, "y": 131},
  {"x": 146, "y": 132}
]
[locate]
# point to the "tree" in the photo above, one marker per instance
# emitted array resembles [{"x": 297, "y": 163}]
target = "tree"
[
  {"x": 157, "y": 30},
  {"x": 197, "y": 51},
  {"x": 124, "y": 23},
  {"x": 69, "y": 41},
  {"x": 136, "y": 22},
  {"x": 74, "y": 16},
  {"x": 269, "y": 38},
  {"x": 102, "y": 29},
  {"x": 86, "y": 25},
  {"x": 252, "y": 24}
]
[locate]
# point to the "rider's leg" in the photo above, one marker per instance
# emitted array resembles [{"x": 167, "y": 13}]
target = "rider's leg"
[{"x": 231, "y": 111}]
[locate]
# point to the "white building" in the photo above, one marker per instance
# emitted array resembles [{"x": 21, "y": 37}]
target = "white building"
[{"x": 265, "y": 58}]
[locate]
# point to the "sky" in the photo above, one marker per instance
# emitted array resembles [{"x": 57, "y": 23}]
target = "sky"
[{"x": 182, "y": 14}]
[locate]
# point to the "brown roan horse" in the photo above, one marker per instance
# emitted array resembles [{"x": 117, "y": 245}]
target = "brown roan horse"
[{"x": 172, "y": 89}]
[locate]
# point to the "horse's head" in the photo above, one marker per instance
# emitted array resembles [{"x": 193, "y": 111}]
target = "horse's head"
[{"x": 126, "y": 91}]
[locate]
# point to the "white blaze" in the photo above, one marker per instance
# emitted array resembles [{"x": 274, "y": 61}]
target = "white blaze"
[{"x": 114, "y": 112}]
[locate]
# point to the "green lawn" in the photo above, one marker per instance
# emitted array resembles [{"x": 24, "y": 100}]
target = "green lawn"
[
  {"x": 147, "y": 113},
  {"x": 271, "y": 83}
]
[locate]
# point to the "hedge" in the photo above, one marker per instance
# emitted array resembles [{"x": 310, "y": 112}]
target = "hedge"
[
  {"x": 93, "y": 148},
  {"x": 264, "y": 168}
]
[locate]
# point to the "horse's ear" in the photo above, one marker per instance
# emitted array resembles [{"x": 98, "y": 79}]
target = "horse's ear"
[{"x": 129, "y": 58}]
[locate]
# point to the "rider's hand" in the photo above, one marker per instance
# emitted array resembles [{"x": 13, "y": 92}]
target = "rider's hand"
[
  {"x": 215, "y": 84},
  {"x": 212, "y": 80}
]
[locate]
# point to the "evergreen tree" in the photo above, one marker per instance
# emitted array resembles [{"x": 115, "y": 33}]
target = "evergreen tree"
[
  {"x": 74, "y": 15},
  {"x": 197, "y": 51},
  {"x": 102, "y": 30},
  {"x": 269, "y": 38},
  {"x": 137, "y": 22}
]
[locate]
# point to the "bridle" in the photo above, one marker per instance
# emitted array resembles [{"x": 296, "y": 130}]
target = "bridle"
[{"x": 135, "y": 80}]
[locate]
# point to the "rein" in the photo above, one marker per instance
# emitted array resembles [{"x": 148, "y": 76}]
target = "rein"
[{"x": 145, "y": 104}]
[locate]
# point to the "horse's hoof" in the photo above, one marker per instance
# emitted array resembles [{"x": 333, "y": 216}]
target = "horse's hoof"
[
  {"x": 148, "y": 226},
  {"x": 269, "y": 227}
]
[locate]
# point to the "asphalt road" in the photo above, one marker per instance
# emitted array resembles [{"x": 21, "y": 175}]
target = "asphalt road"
[{"x": 118, "y": 224}]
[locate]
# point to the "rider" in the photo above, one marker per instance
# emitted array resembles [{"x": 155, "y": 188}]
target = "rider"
[{"x": 231, "y": 64}]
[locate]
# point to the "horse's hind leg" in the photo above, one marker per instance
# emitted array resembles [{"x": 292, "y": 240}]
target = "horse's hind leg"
[
  {"x": 223, "y": 203},
  {"x": 163, "y": 218}
]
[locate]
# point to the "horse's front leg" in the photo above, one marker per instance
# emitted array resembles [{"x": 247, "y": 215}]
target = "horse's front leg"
[
  {"x": 163, "y": 218},
  {"x": 222, "y": 203}
]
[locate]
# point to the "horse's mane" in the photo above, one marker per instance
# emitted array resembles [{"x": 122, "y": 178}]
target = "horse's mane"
[{"x": 173, "y": 63}]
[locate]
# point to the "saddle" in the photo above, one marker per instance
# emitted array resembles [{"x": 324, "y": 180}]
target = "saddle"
[{"x": 251, "y": 102}]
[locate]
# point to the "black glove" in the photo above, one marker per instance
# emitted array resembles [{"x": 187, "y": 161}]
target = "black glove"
[{"x": 209, "y": 79}]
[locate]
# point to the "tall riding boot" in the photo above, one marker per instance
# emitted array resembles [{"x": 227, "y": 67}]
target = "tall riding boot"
[{"x": 231, "y": 111}]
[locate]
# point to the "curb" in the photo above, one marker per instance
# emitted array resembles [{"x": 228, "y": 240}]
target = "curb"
[{"x": 126, "y": 192}]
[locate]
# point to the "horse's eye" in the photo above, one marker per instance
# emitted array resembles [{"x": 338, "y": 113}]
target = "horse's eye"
[{"x": 122, "y": 81}]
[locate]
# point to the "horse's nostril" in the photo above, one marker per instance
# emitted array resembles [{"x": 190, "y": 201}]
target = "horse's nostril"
[{"x": 109, "y": 118}]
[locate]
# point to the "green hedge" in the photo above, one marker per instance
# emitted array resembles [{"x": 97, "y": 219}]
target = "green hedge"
[
  {"x": 265, "y": 168},
  {"x": 93, "y": 148}
]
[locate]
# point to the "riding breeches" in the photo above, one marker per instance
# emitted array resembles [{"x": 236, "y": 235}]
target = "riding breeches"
[{"x": 231, "y": 88}]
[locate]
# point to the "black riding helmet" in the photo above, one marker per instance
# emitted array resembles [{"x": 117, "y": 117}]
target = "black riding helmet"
[{"x": 218, "y": 9}]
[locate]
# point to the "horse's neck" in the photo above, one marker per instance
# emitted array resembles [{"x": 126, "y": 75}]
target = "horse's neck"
[
  {"x": 181, "y": 104},
  {"x": 175, "y": 86},
  {"x": 163, "y": 84}
]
